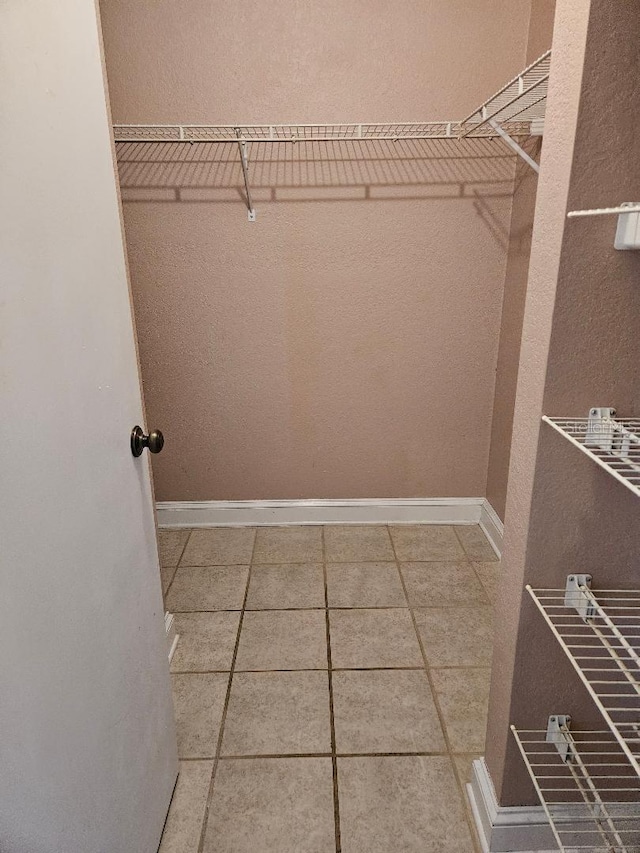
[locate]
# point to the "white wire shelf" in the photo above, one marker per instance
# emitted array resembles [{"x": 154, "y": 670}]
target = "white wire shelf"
[
  {"x": 516, "y": 108},
  {"x": 625, "y": 207},
  {"x": 599, "y": 632},
  {"x": 612, "y": 443},
  {"x": 589, "y": 792},
  {"x": 522, "y": 99},
  {"x": 349, "y": 132},
  {"x": 515, "y": 112}
]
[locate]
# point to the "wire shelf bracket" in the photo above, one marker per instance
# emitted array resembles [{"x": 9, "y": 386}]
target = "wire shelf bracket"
[
  {"x": 242, "y": 143},
  {"x": 588, "y": 791},
  {"x": 612, "y": 443},
  {"x": 511, "y": 142},
  {"x": 600, "y": 634}
]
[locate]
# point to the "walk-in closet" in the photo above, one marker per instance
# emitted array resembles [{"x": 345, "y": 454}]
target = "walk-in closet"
[{"x": 321, "y": 445}]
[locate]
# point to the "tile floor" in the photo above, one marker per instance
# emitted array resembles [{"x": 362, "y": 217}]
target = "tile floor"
[{"x": 330, "y": 686}]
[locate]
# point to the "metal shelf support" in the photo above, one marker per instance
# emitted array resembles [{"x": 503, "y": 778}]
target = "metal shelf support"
[
  {"x": 514, "y": 146},
  {"x": 251, "y": 213}
]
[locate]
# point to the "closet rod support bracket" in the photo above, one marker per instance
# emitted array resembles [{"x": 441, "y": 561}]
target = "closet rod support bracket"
[{"x": 514, "y": 145}]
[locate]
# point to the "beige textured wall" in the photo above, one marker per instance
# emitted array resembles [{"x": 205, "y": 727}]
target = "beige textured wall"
[
  {"x": 515, "y": 288},
  {"x": 345, "y": 344},
  {"x": 581, "y": 348}
]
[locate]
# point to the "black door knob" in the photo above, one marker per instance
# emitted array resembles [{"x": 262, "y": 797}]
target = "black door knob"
[{"x": 154, "y": 442}]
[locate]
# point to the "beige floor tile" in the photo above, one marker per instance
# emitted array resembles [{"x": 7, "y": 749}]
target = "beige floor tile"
[
  {"x": 184, "y": 821},
  {"x": 290, "y": 585},
  {"x": 171, "y": 545},
  {"x": 350, "y": 543},
  {"x": 490, "y": 575},
  {"x": 219, "y": 546},
  {"x": 456, "y": 636},
  {"x": 475, "y": 543},
  {"x": 385, "y": 711},
  {"x": 275, "y": 804},
  {"x": 441, "y": 584},
  {"x": 288, "y": 545},
  {"x": 364, "y": 585},
  {"x": 373, "y": 638},
  {"x": 464, "y": 699},
  {"x": 283, "y": 639},
  {"x": 420, "y": 542},
  {"x": 206, "y": 641},
  {"x": 198, "y": 702},
  {"x": 207, "y": 588},
  {"x": 167, "y": 574},
  {"x": 277, "y": 713},
  {"x": 404, "y": 804}
]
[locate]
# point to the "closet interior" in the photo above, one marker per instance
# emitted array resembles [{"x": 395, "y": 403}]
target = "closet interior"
[{"x": 414, "y": 310}]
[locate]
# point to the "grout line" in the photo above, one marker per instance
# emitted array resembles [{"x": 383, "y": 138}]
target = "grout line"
[
  {"x": 321, "y": 608},
  {"x": 436, "y": 700},
  {"x": 334, "y": 669},
  {"x": 332, "y": 607},
  {"x": 277, "y": 755},
  {"x": 185, "y": 547},
  {"x": 334, "y": 761},
  {"x": 175, "y": 570},
  {"x": 228, "y": 610},
  {"x": 461, "y": 543},
  {"x": 462, "y": 603},
  {"x": 242, "y": 565},
  {"x": 481, "y": 582},
  {"x": 223, "y": 719},
  {"x": 317, "y": 563}
]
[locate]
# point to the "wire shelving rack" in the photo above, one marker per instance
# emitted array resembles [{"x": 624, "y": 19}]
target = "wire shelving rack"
[
  {"x": 612, "y": 443},
  {"x": 589, "y": 793},
  {"x": 514, "y": 113},
  {"x": 600, "y": 634}
]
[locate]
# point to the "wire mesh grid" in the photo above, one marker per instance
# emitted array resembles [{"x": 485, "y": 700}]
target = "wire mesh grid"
[
  {"x": 522, "y": 99},
  {"x": 306, "y": 132},
  {"x": 591, "y": 797},
  {"x": 604, "y": 647},
  {"x": 614, "y": 444}
]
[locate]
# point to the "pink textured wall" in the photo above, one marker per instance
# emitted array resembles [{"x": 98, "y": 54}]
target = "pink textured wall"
[
  {"x": 580, "y": 348},
  {"x": 515, "y": 287},
  {"x": 345, "y": 344}
]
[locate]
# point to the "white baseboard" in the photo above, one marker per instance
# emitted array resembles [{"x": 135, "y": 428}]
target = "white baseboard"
[
  {"x": 364, "y": 511},
  {"x": 512, "y": 829},
  {"x": 172, "y": 636},
  {"x": 492, "y": 525}
]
